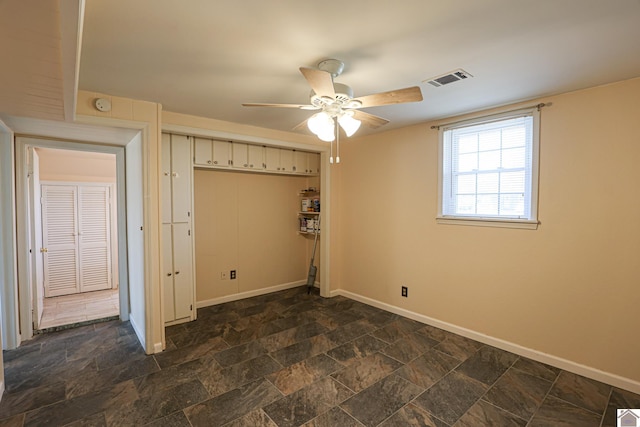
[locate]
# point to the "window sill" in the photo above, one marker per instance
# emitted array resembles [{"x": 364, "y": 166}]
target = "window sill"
[{"x": 489, "y": 222}]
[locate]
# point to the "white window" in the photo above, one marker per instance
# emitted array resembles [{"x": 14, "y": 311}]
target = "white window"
[{"x": 489, "y": 170}]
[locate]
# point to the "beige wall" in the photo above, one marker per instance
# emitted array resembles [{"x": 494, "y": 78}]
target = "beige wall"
[
  {"x": 145, "y": 116},
  {"x": 76, "y": 166},
  {"x": 570, "y": 289},
  {"x": 247, "y": 222}
]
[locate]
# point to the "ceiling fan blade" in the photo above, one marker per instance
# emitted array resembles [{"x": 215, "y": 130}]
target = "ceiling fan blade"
[
  {"x": 320, "y": 81},
  {"x": 300, "y": 106},
  {"x": 369, "y": 120},
  {"x": 400, "y": 96},
  {"x": 301, "y": 125}
]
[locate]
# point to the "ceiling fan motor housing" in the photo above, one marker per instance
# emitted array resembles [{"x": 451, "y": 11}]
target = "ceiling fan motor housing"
[{"x": 343, "y": 97}]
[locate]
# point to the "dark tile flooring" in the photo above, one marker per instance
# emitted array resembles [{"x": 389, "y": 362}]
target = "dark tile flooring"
[{"x": 291, "y": 359}]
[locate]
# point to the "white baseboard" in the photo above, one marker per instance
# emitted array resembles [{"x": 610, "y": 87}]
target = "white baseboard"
[
  {"x": 248, "y": 294},
  {"x": 568, "y": 365},
  {"x": 139, "y": 333},
  {"x": 157, "y": 347}
]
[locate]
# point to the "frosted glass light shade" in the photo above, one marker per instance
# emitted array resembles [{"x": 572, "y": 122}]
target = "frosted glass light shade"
[
  {"x": 320, "y": 123},
  {"x": 349, "y": 124}
]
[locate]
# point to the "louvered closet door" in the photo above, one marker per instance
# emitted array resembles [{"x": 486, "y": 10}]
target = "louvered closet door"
[
  {"x": 59, "y": 225},
  {"x": 94, "y": 225}
]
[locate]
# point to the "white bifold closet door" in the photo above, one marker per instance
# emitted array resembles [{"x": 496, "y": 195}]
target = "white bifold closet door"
[{"x": 76, "y": 230}]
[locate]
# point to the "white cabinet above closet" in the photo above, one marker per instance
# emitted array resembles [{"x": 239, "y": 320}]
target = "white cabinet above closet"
[
  {"x": 211, "y": 153},
  {"x": 247, "y": 156},
  {"x": 214, "y": 152}
]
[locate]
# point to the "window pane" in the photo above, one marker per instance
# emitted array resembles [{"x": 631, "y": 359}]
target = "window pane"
[
  {"x": 467, "y": 162},
  {"x": 487, "y": 204},
  {"x": 466, "y": 205},
  {"x": 512, "y": 182},
  {"x": 513, "y": 158},
  {"x": 466, "y": 184},
  {"x": 468, "y": 144},
  {"x": 489, "y": 160},
  {"x": 488, "y": 183},
  {"x": 512, "y": 204},
  {"x": 489, "y": 141},
  {"x": 513, "y": 137}
]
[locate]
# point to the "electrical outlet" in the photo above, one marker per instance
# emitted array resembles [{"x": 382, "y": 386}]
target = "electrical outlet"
[
  {"x": 223, "y": 275},
  {"x": 233, "y": 275},
  {"x": 405, "y": 291}
]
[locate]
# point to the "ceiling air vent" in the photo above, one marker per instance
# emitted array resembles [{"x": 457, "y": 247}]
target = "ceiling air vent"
[{"x": 450, "y": 77}]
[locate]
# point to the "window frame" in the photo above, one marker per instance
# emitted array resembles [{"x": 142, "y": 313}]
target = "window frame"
[{"x": 493, "y": 221}]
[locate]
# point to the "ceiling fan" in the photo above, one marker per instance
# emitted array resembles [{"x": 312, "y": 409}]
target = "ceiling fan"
[{"x": 337, "y": 104}]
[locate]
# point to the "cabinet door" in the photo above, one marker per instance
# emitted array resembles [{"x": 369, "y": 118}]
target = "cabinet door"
[
  {"x": 255, "y": 156},
  {"x": 286, "y": 160},
  {"x": 300, "y": 160},
  {"x": 167, "y": 274},
  {"x": 203, "y": 152},
  {"x": 182, "y": 270},
  {"x": 314, "y": 163},
  {"x": 240, "y": 155},
  {"x": 272, "y": 159},
  {"x": 221, "y": 153},
  {"x": 181, "y": 178},
  {"x": 166, "y": 178}
]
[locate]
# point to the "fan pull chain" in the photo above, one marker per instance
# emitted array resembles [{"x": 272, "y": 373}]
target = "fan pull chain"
[
  {"x": 331, "y": 152},
  {"x": 337, "y": 142}
]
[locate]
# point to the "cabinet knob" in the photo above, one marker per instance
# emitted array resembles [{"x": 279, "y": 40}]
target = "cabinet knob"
[
  {"x": 250, "y": 166},
  {"x": 177, "y": 272},
  {"x": 245, "y": 165},
  {"x": 166, "y": 174},
  {"x": 215, "y": 162},
  {"x": 294, "y": 168},
  {"x": 209, "y": 161},
  {"x": 168, "y": 274}
]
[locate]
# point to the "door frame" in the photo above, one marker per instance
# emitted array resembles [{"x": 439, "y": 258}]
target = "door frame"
[{"x": 26, "y": 287}]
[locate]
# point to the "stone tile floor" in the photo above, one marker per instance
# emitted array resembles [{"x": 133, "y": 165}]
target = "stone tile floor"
[{"x": 291, "y": 359}]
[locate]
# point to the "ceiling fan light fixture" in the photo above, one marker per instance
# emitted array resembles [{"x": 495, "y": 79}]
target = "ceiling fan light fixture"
[
  {"x": 348, "y": 123},
  {"x": 320, "y": 123}
]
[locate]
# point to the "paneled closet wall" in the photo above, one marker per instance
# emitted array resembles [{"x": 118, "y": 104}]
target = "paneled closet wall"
[{"x": 248, "y": 222}]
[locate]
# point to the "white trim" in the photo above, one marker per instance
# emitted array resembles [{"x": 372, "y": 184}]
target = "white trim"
[
  {"x": 568, "y": 365},
  {"x": 249, "y": 294},
  {"x": 139, "y": 333},
  {"x": 9, "y": 307},
  {"x": 504, "y": 222},
  {"x": 157, "y": 347},
  {"x": 489, "y": 222},
  {"x": 21, "y": 144}
]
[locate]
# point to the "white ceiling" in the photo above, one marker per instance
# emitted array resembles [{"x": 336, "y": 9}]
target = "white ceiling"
[{"x": 206, "y": 57}]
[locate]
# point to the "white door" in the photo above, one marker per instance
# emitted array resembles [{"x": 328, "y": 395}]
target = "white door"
[
  {"x": 94, "y": 237},
  {"x": 76, "y": 231},
  {"x": 180, "y": 178},
  {"x": 166, "y": 178},
  {"x": 36, "y": 226},
  {"x": 167, "y": 274},
  {"x": 182, "y": 267},
  {"x": 59, "y": 239}
]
